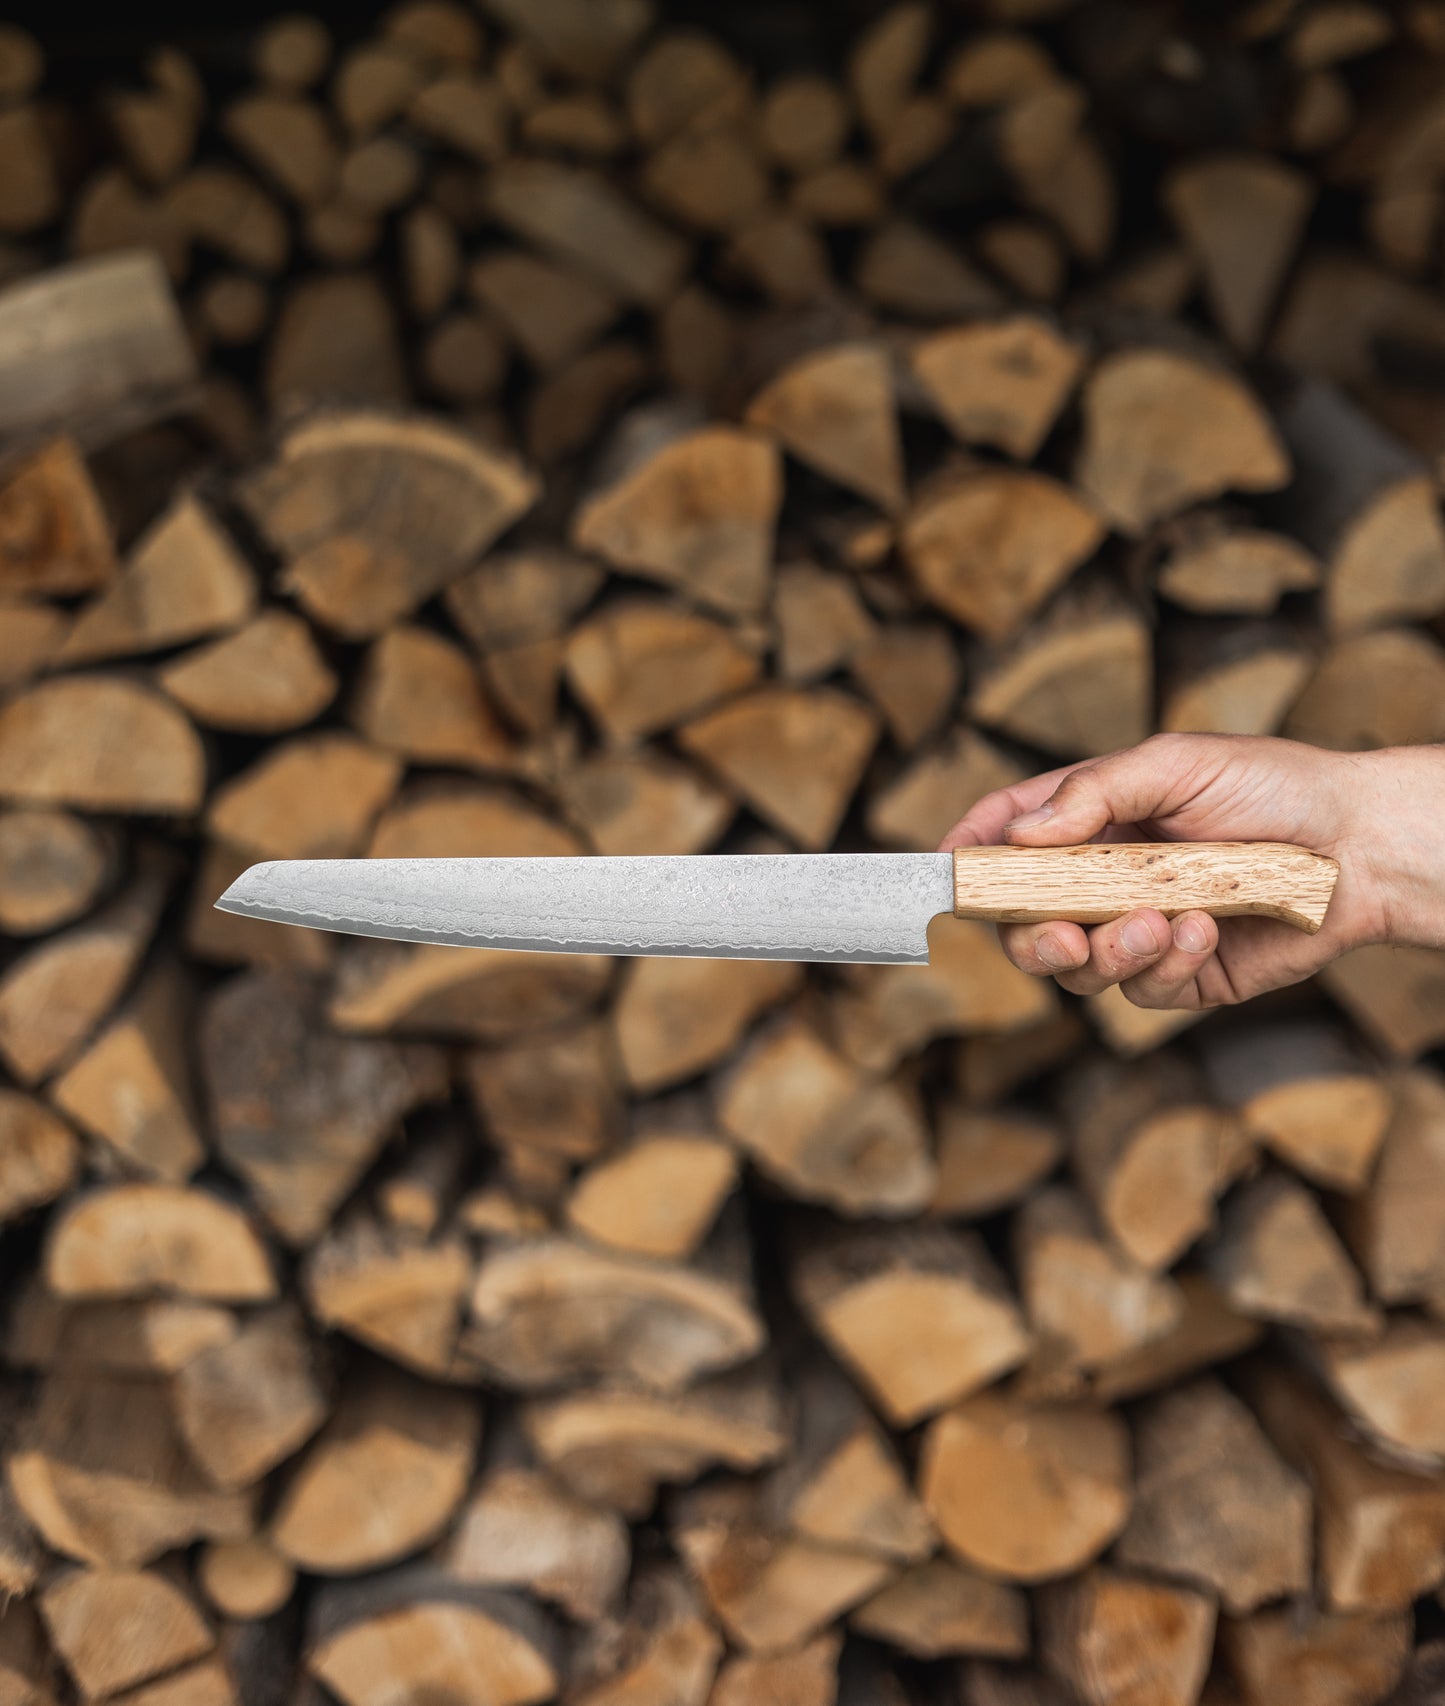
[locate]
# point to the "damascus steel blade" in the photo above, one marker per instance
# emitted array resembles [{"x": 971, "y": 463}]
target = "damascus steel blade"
[{"x": 858, "y": 908}]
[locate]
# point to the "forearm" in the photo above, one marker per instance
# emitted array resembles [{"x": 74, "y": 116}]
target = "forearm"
[{"x": 1399, "y": 831}]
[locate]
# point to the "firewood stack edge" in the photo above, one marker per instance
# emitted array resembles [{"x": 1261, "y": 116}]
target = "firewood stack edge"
[{"x": 586, "y": 431}]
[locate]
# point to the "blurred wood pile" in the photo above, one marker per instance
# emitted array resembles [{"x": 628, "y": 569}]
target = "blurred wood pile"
[{"x": 614, "y": 436}]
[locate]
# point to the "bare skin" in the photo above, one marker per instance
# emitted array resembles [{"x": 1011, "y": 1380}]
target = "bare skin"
[{"x": 1381, "y": 814}]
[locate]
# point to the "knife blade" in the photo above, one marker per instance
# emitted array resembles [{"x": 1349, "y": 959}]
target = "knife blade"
[{"x": 856, "y": 908}]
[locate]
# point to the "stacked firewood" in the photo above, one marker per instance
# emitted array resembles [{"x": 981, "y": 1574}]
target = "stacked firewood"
[{"x": 585, "y": 433}]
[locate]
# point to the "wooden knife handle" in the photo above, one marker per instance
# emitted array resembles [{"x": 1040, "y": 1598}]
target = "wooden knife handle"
[{"x": 1104, "y": 880}]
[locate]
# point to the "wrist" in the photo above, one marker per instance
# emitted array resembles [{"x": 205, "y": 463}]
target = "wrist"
[{"x": 1395, "y": 846}]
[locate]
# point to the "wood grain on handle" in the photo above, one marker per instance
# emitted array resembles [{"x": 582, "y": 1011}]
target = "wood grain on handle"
[{"x": 1100, "y": 881}]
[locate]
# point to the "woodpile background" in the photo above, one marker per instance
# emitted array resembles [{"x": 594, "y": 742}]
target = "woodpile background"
[{"x": 613, "y": 431}]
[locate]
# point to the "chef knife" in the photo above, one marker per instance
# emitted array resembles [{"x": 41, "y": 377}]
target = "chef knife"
[{"x": 858, "y": 908}]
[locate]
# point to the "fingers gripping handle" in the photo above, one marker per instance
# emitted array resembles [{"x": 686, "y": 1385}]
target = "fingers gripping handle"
[{"x": 1100, "y": 881}]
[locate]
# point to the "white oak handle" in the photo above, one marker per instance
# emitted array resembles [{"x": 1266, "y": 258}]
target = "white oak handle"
[{"x": 1104, "y": 880}]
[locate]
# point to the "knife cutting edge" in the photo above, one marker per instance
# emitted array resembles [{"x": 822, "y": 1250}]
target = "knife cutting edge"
[{"x": 853, "y": 908}]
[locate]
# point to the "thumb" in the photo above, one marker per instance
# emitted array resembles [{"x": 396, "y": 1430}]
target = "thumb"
[{"x": 1141, "y": 782}]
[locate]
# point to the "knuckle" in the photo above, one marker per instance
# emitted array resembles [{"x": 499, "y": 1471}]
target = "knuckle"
[{"x": 1138, "y": 992}]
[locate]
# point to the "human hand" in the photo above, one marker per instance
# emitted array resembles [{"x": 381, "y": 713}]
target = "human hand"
[{"x": 1378, "y": 814}]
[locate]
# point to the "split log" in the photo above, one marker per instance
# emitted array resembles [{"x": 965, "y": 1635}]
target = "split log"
[
  {"x": 94, "y": 349},
  {"x": 292, "y": 52},
  {"x": 447, "y": 820},
  {"x": 464, "y": 111},
  {"x": 312, "y": 798},
  {"x": 1001, "y": 384},
  {"x": 131, "y": 1088},
  {"x": 579, "y": 124},
  {"x": 30, "y": 636},
  {"x": 795, "y": 757},
  {"x": 53, "y": 996},
  {"x": 152, "y": 1335},
  {"x": 658, "y": 1196},
  {"x": 100, "y": 743},
  {"x": 849, "y": 194},
  {"x": 551, "y": 312},
  {"x": 52, "y": 869},
  {"x": 567, "y": 411},
  {"x": 1162, "y": 431},
  {"x": 990, "y": 546},
  {"x": 1146, "y": 1146},
  {"x": 1308, "y": 1096},
  {"x": 184, "y": 580},
  {"x": 55, "y": 538},
  {"x": 1394, "y": 995},
  {"x": 1392, "y": 1387},
  {"x": 1374, "y": 689},
  {"x": 550, "y": 1312},
  {"x": 1396, "y": 1225},
  {"x": 835, "y": 411},
  {"x": 296, "y": 1112},
  {"x": 1208, "y": 1331},
  {"x": 417, "y": 1629},
  {"x": 1025, "y": 1492},
  {"x": 39, "y": 1155},
  {"x": 825, "y": 1133},
  {"x": 617, "y": 1445},
  {"x": 373, "y": 84},
  {"x": 417, "y": 1194},
  {"x": 1129, "y": 1030},
  {"x": 288, "y": 140},
  {"x": 804, "y": 121},
  {"x": 246, "y": 1405},
  {"x": 356, "y": 564},
  {"x": 674, "y": 1017},
  {"x": 27, "y": 1667},
  {"x": 234, "y": 308},
  {"x": 919, "y": 806},
  {"x": 431, "y": 260},
  {"x": 1276, "y": 1257},
  {"x": 662, "y": 1649},
  {"x": 1086, "y": 1302},
  {"x": 519, "y": 1529},
  {"x": 769, "y": 1590},
  {"x": 381, "y": 1479},
  {"x": 335, "y": 340},
  {"x": 919, "y": 1313},
  {"x": 696, "y": 512},
  {"x": 821, "y": 621},
  {"x": 708, "y": 179},
  {"x": 1379, "y": 1528},
  {"x": 116, "y": 1628},
  {"x": 1242, "y": 680},
  {"x": 264, "y": 678},
  {"x": 911, "y": 673},
  {"x": 807, "y": 1676},
  {"x": 227, "y": 210},
  {"x": 581, "y": 39},
  {"x": 939, "y": 1609},
  {"x": 1314, "y": 1653},
  {"x": 644, "y": 804},
  {"x": 464, "y": 359},
  {"x": 1027, "y": 255},
  {"x": 103, "y": 1476},
  {"x": 244, "y": 1580},
  {"x": 1213, "y": 1504},
  {"x": 557, "y": 1096},
  {"x": 1078, "y": 685},
  {"x": 988, "y": 1160},
  {"x": 987, "y": 1069},
  {"x": 581, "y": 219},
  {"x": 418, "y": 696},
  {"x": 517, "y": 597},
  {"x": 1242, "y": 216},
  {"x": 22, "y": 63},
  {"x": 397, "y": 1296},
  {"x": 1213, "y": 568},
  {"x": 132, "y": 1240},
  {"x": 1113, "y": 1637},
  {"x": 885, "y": 63},
  {"x": 642, "y": 667},
  {"x": 227, "y": 938}
]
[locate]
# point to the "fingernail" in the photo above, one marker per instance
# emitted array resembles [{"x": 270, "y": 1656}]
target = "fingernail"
[
  {"x": 1138, "y": 939},
  {"x": 1040, "y": 814},
  {"x": 1054, "y": 954},
  {"x": 1191, "y": 936}
]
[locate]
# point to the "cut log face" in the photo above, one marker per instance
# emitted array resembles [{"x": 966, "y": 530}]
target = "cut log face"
[
  {"x": 144, "y": 1336},
  {"x": 552, "y": 313},
  {"x": 116, "y": 1628},
  {"x": 676, "y": 1016},
  {"x": 265, "y": 678},
  {"x": 821, "y": 621},
  {"x": 419, "y": 696},
  {"x": 835, "y": 411},
  {"x": 1392, "y": 1387},
  {"x": 1207, "y": 1331},
  {"x": 1116, "y": 1639},
  {"x": 939, "y": 1609},
  {"x": 39, "y": 1155},
  {"x": 1213, "y": 1503},
  {"x": 101, "y": 744},
  {"x": 1396, "y": 1225},
  {"x": 1395, "y": 995},
  {"x": 1298, "y": 1648},
  {"x": 381, "y": 1479},
  {"x": 557, "y": 1096},
  {"x": 615, "y": 1446},
  {"x": 298, "y": 1113},
  {"x": 1003, "y": 384},
  {"x": 102, "y": 1475},
  {"x": 357, "y": 564},
  {"x": 245, "y": 1580},
  {"x": 1249, "y": 694},
  {"x": 697, "y": 513},
  {"x": 30, "y": 635},
  {"x": 657, "y": 1197},
  {"x": 185, "y": 580},
  {"x": 911, "y": 674},
  {"x": 1376, "y": 689},
  {"x": 551, "y": 1312},
  {"x": 456, "y": 821},
  {"x": 519, "y": 1529},
  {"x": 55, "y": 539},
  {"x": 919, "y": 1313},
  {"x": 1023, "y": 1491},
  {"x": 664, "y": 1648},
  {"x": 639, "y": 668},
  {"x": 794, "y": 757},
  {"x": 988, "y": 548},
  {"x": 919, "y": 806},
  {"x": 518, "y": 597},
  {"x": 1162, "y": 431},
  {"x": 807, "y": 1676},
  {"x": 823, "y": 1131},
  {"x": 987, "y": 1160},
  {"x": 644, "y": 805},
  {"x": 314, "y": 798},
  {"x": 1241, "y": 572}
]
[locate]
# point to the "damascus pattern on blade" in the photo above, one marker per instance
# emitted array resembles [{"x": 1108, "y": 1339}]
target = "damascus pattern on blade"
[{"x": 851, "y": 907}]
